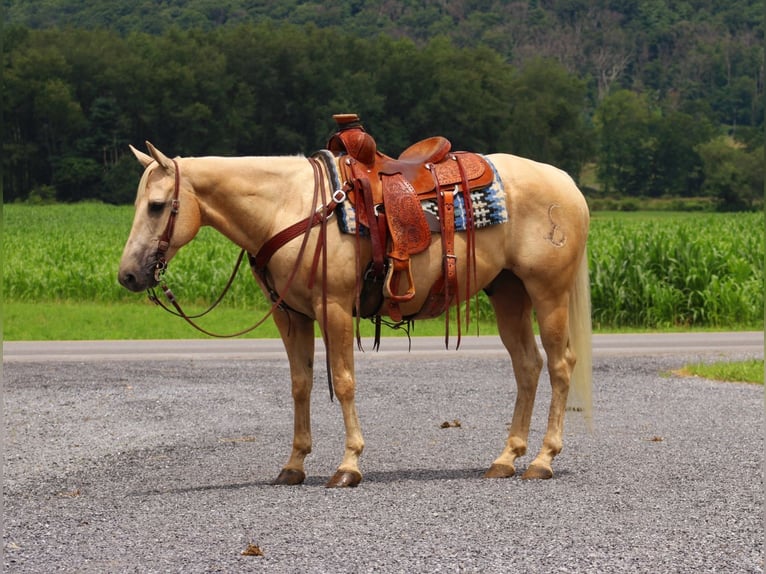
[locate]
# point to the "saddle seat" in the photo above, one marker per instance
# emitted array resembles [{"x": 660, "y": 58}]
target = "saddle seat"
[
  {"x": 433, "y": 149},
  {"x": 412, "y": 162},
  {"x": 386, "y": 194}
]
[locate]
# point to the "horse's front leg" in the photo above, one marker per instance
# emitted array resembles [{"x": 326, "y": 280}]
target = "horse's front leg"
[
  {"x": 297, "y": 333},
  {"x": 339, "y": 337}
]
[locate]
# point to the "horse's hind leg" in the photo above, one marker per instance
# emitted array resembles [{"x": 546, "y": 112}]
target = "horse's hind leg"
[
  {"x": 513, "y": 312},
  {"x": 553, "y": 319},
  {"x": 297, "y": 333}
]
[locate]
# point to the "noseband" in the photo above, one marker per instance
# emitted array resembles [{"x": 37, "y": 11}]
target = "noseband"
[{"x": 164, "y": 243}]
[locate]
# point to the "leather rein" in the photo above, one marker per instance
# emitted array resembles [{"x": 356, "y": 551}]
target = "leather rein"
[{"x": 258, "y": 262}]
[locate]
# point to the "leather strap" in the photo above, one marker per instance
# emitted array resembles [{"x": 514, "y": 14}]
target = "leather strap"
[
  {"x": 377, "y": 227},
  {"x": 444, "y": 290},
  {"x": 164, "y": 242},
  {"x": 320, "y": 216},
  {"x": 470, "y": 237},
  {"x": 267, "y": 251},
  {"x": 277, "y": 300}
]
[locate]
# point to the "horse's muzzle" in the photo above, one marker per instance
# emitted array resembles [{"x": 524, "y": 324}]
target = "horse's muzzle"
[{"x": 136, "y": 281}]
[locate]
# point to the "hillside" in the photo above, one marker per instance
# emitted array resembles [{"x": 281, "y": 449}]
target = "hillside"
[
  {"x": 682, "y": 46},
  {"x": 564, "y": 81}
]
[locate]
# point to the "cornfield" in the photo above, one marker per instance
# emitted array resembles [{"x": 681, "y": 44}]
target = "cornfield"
[
  {"x": 684, "y": 270},
  {"x": 71, "y": 253},
  {"x": 647, "y": 271}
]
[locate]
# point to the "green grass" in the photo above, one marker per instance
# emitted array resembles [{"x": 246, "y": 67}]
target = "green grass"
[
  {"x": 668, "y": 271},
  {"x": 78, "y": 320},
  {"x": 751, "y": 371}
]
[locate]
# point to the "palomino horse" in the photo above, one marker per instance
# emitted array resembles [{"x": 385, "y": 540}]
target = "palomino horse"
[{"x": 536, "y": 261}]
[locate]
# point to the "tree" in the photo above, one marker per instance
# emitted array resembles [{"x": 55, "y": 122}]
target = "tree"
[
  {"x": 457, "y": 93},
  {"x": 677, "y": 165},
  {"x": 546, "y": 121},
  {"x": 733, "y": 175},
  {"x": 74, "y": 95},
  {"x": 626, "y": 145},
  {"x": 76, "y": 177}
]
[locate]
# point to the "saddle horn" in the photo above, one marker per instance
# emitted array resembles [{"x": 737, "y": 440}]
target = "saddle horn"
[{"x": 351, "y": 138}]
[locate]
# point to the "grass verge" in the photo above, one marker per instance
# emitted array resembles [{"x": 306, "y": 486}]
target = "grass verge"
[
  {"x": 80, "y": 321},
  {"x": 750, "y": 371}
]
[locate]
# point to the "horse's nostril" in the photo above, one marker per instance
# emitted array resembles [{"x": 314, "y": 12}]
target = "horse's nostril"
[{"x": 127, "y": 280}]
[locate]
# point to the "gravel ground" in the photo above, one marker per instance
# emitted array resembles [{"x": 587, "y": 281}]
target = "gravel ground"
[{"x": 164, "y": 466}]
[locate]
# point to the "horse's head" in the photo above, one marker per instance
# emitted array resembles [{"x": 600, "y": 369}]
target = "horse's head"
[{"x": 167, "y": 217}]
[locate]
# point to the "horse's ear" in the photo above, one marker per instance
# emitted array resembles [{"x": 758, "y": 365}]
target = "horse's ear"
[
  {"x": 161, "y": 158},
  {"x": 143, "y": 159}
]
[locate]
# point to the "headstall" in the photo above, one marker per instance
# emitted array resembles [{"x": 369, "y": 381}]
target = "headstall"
[{"x": 164, "y": 243}]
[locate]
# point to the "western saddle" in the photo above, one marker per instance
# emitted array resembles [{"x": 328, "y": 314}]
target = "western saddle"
[{"x": 387, "y": 194}]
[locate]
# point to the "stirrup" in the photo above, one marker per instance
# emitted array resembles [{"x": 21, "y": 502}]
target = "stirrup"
[{"x": 392, "y": 280}]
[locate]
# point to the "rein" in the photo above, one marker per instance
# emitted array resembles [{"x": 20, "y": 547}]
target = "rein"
[{"x": 179, "y": 312}]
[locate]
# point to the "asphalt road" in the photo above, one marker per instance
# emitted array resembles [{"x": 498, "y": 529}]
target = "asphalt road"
[
  {"x": 624, "y": 344},
  {"x": 157, "y": 457}
]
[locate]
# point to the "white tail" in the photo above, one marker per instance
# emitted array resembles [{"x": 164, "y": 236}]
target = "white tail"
[{"x": 580, "y": 339}]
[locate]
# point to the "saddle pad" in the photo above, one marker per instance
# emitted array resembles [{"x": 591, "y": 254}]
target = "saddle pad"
[{"x": 488, "y": 208}]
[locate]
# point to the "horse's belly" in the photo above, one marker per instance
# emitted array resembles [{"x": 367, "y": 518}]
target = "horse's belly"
[{"x": 427, "y": 267}]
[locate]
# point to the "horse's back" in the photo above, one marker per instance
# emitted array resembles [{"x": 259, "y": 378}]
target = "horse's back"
[{"x": 533, "y": 185}]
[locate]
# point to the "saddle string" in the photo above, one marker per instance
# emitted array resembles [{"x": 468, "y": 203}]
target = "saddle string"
[
  {"x": 358, "y": 286},
  {"x": 333, "y": 175},
  {"x": 376, "y": 218},
  {"x": 470, "y": 237},
  {"x": 445, "y": 205}
]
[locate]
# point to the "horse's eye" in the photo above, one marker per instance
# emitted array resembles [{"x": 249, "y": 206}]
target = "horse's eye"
[{"x": 156, "y": 207}]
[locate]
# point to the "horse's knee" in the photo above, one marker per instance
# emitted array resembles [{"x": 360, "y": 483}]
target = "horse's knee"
[
  {"x": 301, "y": 388},
  {"x": 344, "y": 387}
]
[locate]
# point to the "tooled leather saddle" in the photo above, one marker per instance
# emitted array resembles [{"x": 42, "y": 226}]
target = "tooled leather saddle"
[{"x": 386, "y": 194}]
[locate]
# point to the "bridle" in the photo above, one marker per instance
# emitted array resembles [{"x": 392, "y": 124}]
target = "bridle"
[
  {"x": 161, "y": 265},
  {"x": 164, "y": 243}
]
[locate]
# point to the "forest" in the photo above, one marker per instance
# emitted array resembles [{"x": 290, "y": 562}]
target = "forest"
[{"x": 644, "y": 100}]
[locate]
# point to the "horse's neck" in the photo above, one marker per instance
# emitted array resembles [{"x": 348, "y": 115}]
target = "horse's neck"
[{"x": 249, "y": 199}]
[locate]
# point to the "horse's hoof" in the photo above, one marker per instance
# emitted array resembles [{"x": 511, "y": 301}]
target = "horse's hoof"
[
  {"x": 537, "y": 472},
  {"x": 344, "y": 479},
  {"x": 290, "y": 477},
  {"x": 500, "y": 471}
]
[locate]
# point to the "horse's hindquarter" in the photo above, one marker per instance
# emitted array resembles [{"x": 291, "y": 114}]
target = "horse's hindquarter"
[
  {"x": 548, "y": 220},
  {"x": 542, "y": 242}
]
